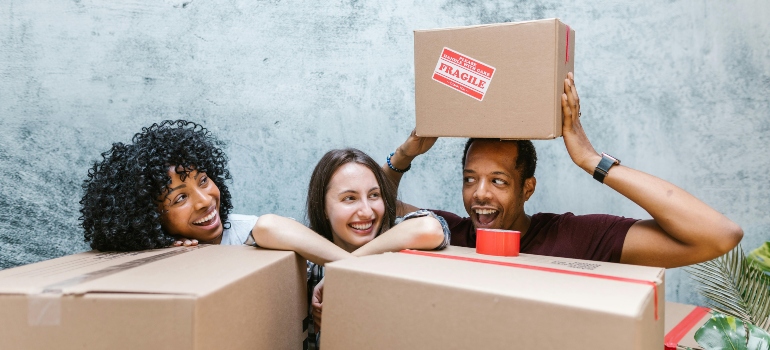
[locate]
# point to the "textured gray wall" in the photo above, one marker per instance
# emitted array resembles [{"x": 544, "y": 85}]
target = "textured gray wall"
[{"x": 678, "y": 89}]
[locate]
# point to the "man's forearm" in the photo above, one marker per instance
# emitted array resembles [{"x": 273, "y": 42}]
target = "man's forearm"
[
  {"x": 682, "y": 216},
  {"x": 399, "y": 161}
]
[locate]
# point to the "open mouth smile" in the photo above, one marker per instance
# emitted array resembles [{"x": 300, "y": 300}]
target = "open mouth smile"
[
  {"x": 207, "y": 220},
  {"x": 362, "y": 227},
  {"x": 485, "y": 216}
]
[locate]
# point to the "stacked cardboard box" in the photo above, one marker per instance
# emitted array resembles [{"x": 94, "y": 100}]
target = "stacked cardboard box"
[
  {"x": 206, "y": 297},
  {"x": 457, "y": 299},
  {"x": 682, "y": 321},
  {"x": 496, "y": 80}
]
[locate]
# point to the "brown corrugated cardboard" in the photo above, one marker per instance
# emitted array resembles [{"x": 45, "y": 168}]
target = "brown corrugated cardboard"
[
  {"x": 206, "y": 297},
  {"x": 496, "y": 80},
  {"x": 457, "y": 299},
  {"x": 682, "y": 321}
]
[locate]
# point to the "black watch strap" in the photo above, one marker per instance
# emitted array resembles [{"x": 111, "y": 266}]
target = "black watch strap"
[{"x": 604, "y": 166}]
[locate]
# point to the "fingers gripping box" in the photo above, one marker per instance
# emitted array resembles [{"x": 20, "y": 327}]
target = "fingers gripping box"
[
  {"x": 205, "y": 297},
  {"x": 497, "y": 80},
  {"x": 457, "y": 299}
]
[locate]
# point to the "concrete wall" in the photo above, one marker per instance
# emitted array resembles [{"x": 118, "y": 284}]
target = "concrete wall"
[{"x": 678, "y": 89}]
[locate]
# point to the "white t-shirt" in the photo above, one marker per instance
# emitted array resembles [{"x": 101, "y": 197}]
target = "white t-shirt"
[{"x": 240, "y": 229}]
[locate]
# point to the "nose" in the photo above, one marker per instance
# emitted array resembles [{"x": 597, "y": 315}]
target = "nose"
[
  {"x": 482, "y": 193},
  {"x": 365, "y": 210},
  {"x": 201, "y": 199}
]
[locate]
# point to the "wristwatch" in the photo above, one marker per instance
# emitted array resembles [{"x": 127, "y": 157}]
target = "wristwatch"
[{"x": 604, "y": 166}]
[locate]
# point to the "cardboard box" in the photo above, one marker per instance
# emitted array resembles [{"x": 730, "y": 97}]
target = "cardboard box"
[
  {"x": 457, "y": 299},
  {"x": 682, "y": 321},
  {"x": 206, "y": 297},
  {"x": 496, "y": 80}
]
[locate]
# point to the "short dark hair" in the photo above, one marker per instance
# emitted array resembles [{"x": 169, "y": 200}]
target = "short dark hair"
[
  {"x": 319, "y": 183},
  {"x": 120, "y": 202},
  {"x": 526, "y": 161}
]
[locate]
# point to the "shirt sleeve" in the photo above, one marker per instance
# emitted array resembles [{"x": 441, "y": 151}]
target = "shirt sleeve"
[
  {"x": 425, "y": 212},
  {"x": 239, "y": 230}
]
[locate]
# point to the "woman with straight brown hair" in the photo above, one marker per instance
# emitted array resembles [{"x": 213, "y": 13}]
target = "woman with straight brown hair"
[{"x": 351, "y": 210}]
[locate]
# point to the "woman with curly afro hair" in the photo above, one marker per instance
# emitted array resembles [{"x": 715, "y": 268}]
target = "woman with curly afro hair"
[{"x": 167, "y": 187}]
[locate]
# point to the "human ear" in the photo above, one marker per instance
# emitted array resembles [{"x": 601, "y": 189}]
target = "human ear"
[{"x": 529, "y": 187}]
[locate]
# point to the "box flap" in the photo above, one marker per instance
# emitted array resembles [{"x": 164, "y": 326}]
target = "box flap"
[
  {"x": 182, "y": 270},
  {"x": 488, "y": 25}
]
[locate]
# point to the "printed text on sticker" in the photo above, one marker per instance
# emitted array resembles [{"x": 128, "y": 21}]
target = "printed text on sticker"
[{"x": 463, "y": 73}]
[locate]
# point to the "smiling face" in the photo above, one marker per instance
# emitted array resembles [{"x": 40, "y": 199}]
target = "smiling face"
[
  {"x": 190, "y": 208},
  {"x": 354, "y": 206},
  {"x": 492, "y": 189}
]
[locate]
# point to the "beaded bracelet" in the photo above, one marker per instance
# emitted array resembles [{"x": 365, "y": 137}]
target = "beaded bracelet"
[{"x": 396, "y": 169}]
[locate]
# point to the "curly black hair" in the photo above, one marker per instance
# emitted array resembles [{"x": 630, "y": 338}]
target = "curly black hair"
[{"x": 121, "y": 200}]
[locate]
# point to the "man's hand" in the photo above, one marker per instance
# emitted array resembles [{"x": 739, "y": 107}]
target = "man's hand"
[
  {"x": 415, "y": 146},
  {"x": 575, "y": 139},
  {"x": 185, "y": 242},
  {"x": 402, "y": 159},
  {"x": 316, "y": 303}
]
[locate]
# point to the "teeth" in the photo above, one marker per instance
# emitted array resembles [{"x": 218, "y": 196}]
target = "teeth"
[
  {"x": 361, "y": 226},
  {"x": 485, "y": 211},
  {"x": 207, "y": 218}
]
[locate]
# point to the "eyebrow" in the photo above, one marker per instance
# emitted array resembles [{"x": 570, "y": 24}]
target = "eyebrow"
[
  {"x": 469, "y": 171},
  {"x": 352, "y": 191},
  {"x": 174, "y": 189}
]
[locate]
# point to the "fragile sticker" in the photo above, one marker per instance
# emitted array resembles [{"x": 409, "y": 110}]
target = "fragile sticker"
[{"x": 463, "y": 73}]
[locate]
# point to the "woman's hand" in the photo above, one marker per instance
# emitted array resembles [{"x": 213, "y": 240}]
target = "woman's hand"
[
  {"x": 185, "y": 242},
  {"x": 317, "y": 304}
]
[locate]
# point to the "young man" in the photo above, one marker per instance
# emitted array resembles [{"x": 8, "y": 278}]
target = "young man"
[{"x": 499, "y": 177}]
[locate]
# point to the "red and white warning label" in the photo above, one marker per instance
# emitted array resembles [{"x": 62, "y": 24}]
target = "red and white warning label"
[{"x": 463, "y": 73}]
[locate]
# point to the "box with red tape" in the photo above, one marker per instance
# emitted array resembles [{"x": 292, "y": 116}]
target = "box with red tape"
[
  {"x": 457, "y": 299},
  {"x": 681, "y": 323}
]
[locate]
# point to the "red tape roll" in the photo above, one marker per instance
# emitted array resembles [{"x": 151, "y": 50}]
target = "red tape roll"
[{"x": 497, "y": 242}]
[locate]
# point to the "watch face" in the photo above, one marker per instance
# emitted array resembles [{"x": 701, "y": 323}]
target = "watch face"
[{"x": 615, "y": 160}]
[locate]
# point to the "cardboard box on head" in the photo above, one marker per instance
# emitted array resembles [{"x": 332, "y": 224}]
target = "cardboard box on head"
[
  {"x": 493, "y": 81},
  {"x": 205, "y": 297},
  {"x": 457, "y": 299}
]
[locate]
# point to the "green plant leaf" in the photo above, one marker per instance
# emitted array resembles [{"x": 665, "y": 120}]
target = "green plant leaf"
[
  {"x": 734, "y": 285},
  {"x": 761, "y": 257},
  {"x": 727, "y": 332}
]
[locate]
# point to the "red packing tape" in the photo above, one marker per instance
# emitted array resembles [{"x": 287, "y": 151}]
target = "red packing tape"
[
  {"x": 685, "y": 325},
  {"x": 540, "y": 268}
]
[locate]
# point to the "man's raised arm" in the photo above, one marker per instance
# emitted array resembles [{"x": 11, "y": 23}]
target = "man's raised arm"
[
  {"x": 683, "y": 229},
  {"x": 401, "y": 160}
]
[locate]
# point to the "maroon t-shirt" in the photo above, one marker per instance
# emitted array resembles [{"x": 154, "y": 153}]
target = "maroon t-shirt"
[{"x": 595, "y": 237}]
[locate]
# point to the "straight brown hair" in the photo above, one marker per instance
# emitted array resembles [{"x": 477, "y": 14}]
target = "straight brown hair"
[{"x": 322, "y": 175}]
